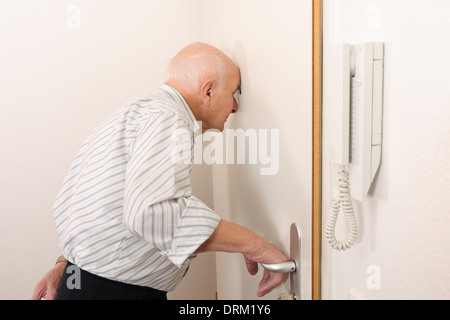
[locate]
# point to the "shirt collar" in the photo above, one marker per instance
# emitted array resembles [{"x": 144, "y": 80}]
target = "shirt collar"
[{"x": 183, "y": 107}]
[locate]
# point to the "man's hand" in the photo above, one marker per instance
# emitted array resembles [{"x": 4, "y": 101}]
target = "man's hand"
[
  {"x": 230, "y": 237},
  {"x": 270, "y": 280},
  {"x": 47, "y": 288}
]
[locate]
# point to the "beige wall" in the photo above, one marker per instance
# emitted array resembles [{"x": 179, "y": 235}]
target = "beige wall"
[
  {"x": 57, "y": 84},
  {"x": 403, "y": 248}
]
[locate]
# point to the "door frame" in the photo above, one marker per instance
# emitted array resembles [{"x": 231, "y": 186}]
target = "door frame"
[{"x": 317, "y": 41}]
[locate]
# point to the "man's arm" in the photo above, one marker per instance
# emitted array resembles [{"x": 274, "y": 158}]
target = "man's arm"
[
  {"x": 233, "y": 238},
  {"x": 228, "y": 237},
  {"x": 158, "y": 204}
]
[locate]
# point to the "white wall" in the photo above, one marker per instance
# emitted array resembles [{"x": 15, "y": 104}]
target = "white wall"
[
  {"x": 404, "y": 223},
  {"x": 271, "y": 42},
  {"x": 57, "y": 85}
]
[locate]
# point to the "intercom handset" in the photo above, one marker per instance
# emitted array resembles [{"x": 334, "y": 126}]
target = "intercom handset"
[{"x": 353, "y": 103}]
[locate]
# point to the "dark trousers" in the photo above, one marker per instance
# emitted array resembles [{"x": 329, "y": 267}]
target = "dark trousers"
[{"x": 77, "y": 284}]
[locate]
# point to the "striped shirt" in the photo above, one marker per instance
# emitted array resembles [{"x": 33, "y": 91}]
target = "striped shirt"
[{"x": 125, "y": 211}]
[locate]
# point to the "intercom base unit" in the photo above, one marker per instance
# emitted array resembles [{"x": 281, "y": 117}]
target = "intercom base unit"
[{"x": 353, "y": 108}]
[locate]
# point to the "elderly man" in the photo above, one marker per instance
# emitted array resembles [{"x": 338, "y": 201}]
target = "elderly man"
[{"x": 125, "y": 215}]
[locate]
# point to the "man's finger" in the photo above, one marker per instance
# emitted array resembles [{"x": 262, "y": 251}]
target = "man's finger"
[{"x": 269, "y": 282}]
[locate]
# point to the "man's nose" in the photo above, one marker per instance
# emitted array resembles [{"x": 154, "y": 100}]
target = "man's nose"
[{"x": 235, "y": 107}]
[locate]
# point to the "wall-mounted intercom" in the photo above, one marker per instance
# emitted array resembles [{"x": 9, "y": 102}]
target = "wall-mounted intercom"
[{"x": 353, "y": 104}]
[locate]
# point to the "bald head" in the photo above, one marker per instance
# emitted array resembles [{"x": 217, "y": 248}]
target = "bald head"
[
  {"x": 197, "y": 63},
  {"x": 208, "y": 80}
]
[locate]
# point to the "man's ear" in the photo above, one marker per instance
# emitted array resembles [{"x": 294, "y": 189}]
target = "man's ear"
[{"x": 207, "y": 91}]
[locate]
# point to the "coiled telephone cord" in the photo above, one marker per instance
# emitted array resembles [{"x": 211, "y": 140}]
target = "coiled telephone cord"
[{"x": 342, "y": 201}]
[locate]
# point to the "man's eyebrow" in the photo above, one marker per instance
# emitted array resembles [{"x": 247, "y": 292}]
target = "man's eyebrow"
[{"x": 239, "y": 89}]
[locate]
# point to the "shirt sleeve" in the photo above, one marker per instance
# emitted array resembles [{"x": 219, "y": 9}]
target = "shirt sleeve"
[{"x": 158, "y": 204}]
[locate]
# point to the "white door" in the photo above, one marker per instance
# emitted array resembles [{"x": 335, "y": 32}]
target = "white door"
[{"x": 272, "y": 43}]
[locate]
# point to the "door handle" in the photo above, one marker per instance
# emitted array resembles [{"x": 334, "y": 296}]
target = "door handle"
[
  {"x": 284, "y": 267},
  {"x": 293, "y": 267}
]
